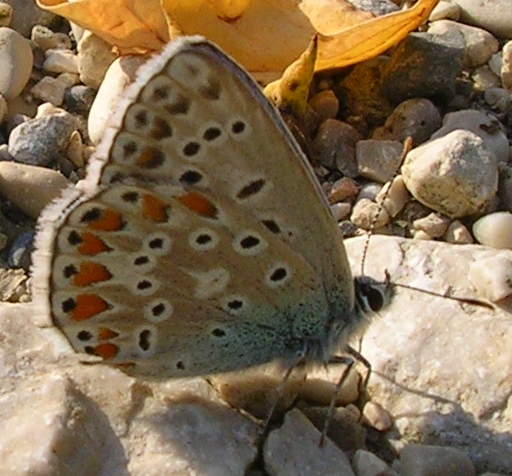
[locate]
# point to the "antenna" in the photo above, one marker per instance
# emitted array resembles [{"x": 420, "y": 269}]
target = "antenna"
[{"x": 406, "y": 149}]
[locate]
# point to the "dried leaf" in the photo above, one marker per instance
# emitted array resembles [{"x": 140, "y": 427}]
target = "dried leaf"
[
  {"x": 290, "y": 92},
  {"x": 133, "y": 26},
  {"x": 370, "y": 38},
  {"x": 263, "y": 35}
]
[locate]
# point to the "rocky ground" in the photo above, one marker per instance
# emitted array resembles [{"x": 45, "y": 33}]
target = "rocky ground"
[{"x": 439, "y": 392}]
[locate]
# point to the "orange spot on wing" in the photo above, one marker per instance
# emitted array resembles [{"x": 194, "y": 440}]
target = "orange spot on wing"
[
  {"x": 109, "y": 220},
  {"x": 104, "y": 333},
  {"x": 106, "y": 351},
  {"x": 87, "y": 306},
  {"x": 154, "y": 209},
  {"x": 90, "y": 273},
  {"x": 91, "y": 244},
  {"x": 199, "y": 204}
]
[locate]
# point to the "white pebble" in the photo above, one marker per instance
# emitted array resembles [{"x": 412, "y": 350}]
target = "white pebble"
[
  {"x": 377, "y": 417},
  {"x": 492, "y": 275},
  {"x": 494, "y": 230},
  {"x": 396, "y": 198},
  {"x": 458, "y": 234},
  {"x": 364, "y": 213},
  {"x": 434, "y": 224}
]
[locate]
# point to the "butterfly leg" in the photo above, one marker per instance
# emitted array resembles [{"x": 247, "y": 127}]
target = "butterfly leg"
[
  {"x": 349, "y": 361},
  {"x": 279, "y": 392}
]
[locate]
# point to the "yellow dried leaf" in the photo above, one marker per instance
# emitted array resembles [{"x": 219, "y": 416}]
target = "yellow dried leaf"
[
  {"x": 133, "y": 26},
  {"x": 263, "y": 35},
  {"x": 290, "y": 92},
  {"x": 370, "y": 38}
]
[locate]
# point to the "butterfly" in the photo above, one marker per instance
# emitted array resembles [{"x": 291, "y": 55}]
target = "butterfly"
[{"x": 200, "y": 241}]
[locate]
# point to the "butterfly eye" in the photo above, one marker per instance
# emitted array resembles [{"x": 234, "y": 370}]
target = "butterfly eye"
[{"x": 371, "y": 296}]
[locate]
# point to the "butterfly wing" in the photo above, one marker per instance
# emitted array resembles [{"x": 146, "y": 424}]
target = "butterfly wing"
[{"x": 199, "y": 241}]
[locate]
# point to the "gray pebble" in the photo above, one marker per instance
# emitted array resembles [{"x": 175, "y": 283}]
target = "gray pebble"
[
  {"x": 427, "y": 460},
  {"x": 79, "y": 99},
  {"x": 335, "y": 145},
  {"x": 417, "y": 118},
  {"x": 378, "y": 160},
  {"x": 26, "y": 14},
  {"x": 423, "y": 65},
  {"x": 41, "y": 140}
]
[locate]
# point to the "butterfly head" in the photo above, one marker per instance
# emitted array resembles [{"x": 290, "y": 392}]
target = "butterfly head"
[{"x": 371, "y": 295}]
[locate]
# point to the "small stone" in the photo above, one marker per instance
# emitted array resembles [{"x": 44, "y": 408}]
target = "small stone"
[
  {"x": 494, "y": 230},
  {"x": 95, "y": 57},
  {"x": 378, "y": 160},
  {"x": 48, "y": 109},
  {"x": 293, "y": 450},
  {"x": 479, "y": 45},
  {"x": 486, "y": 126},
  {"x": 364, "y": 213},
  {"x": 491, "y": 274},
  {"x": 367, "y": 464},
  {"x": 370, "y": 191},
  {"x": 437, "y": 63},
  {"x": 79, "y": 99},
  {"x": 50, "y": 90},
  {"x": 341, "y": 211},
  {"x": 26, "y": 14},
  {"x": 16, "y": 59},
  {"x": 377, "y": 417},
  {"x": 41, "y": 140},
  {"x": 495, "y": 63},
  {"x": 46, "y": 39},
  {"x": 498, "y": 98},
  {"x": 325, "y": 104},
  {"x": 19, "y": 253},
  {"x": 60, "y": 61},
  {"x": 68, "y": 79},
  {"x": 445, "y": 10},
  {"x": 492, "y": 15},
  {"x": 422, "y": 235},
  {"x": 455, "y": 175},
  {"x": 74, "y": 150},
  {"x": 434, "y": 224},
  {"x": 417, "y": 118},
  {"x": 483, "y": 78},
  {"x": 345, "y": 428},
  {"x": 44, "y": 185},
  {"x": 425, "y": 460},
  {"x": 5, "y": 14},
  {"x": 343, "y": 189},
  {"x": 506, "y": 66},
  {"x": 458, "y": 234},
  {"x": 335, "y": 145},
  {"x": 394, "y": 195}
]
